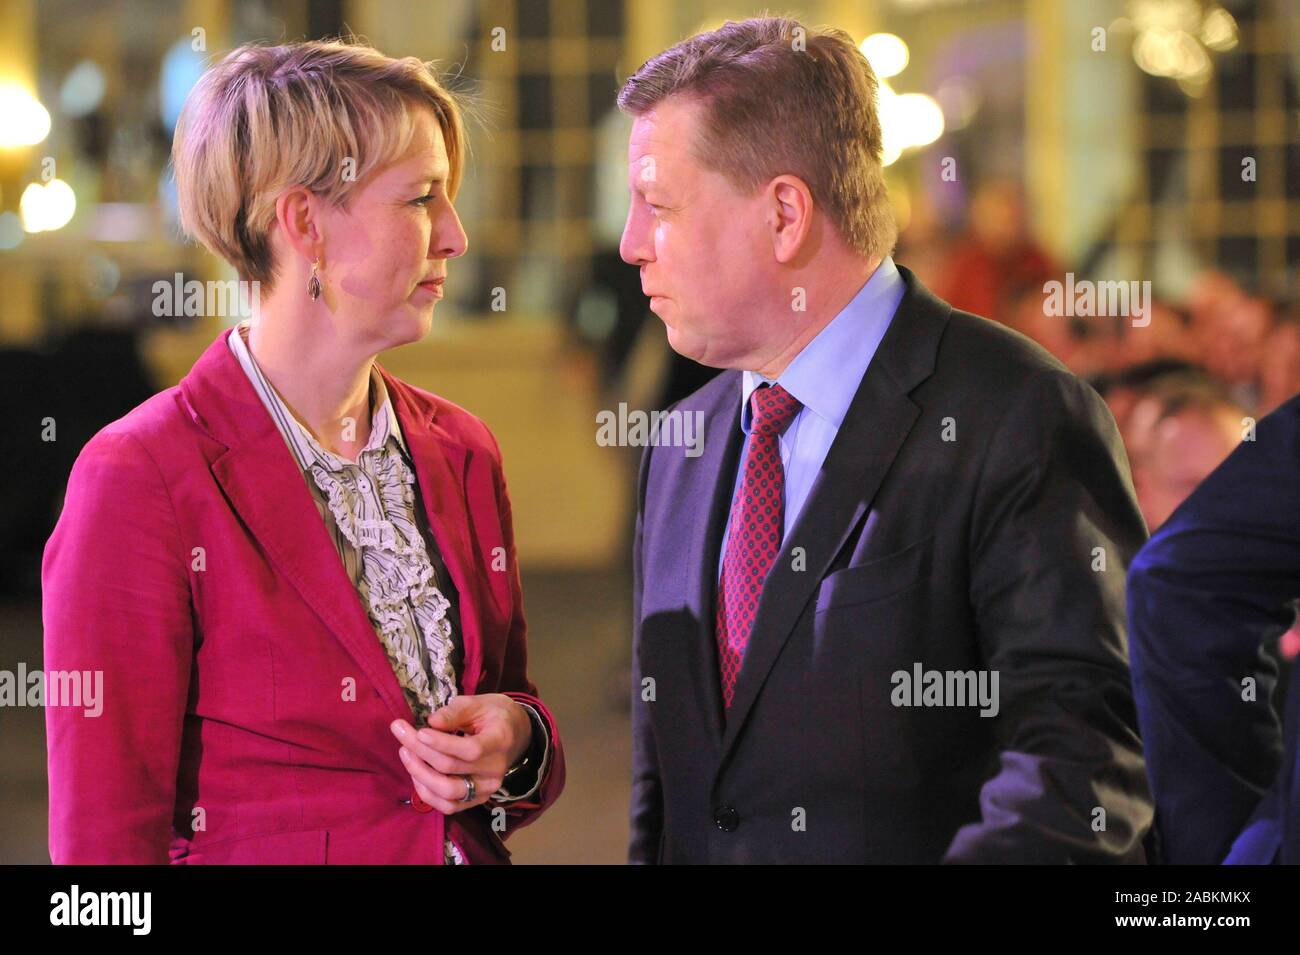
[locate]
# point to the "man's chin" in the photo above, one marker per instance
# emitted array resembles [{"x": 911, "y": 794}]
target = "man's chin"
[{"x": 687, "y": 345}]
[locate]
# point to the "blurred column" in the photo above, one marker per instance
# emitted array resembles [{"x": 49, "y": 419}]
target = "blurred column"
[
  {"x": 1079, "y": 130},
  {"x": 650, "y": 30}
]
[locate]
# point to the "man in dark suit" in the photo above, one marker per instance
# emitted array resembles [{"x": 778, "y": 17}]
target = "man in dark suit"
[
  {"x": 879, "y": 613},
  {"x": 1214, "y": 586}
]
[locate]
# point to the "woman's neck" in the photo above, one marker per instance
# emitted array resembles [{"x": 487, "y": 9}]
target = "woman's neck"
[{"x": 325, "y": 388}]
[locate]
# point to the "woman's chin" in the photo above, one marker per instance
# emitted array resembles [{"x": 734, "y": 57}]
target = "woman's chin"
[{"x": 415, "y": 323}]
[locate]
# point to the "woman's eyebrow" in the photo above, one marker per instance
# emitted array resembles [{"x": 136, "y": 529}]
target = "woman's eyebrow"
[{"x": 434, "y": 176}]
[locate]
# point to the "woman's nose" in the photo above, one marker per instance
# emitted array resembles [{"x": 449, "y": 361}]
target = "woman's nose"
[{"x": 449, "y": 239}]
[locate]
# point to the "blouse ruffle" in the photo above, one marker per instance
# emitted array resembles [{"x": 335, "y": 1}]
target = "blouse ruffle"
[{"x": 397, "y": 572}]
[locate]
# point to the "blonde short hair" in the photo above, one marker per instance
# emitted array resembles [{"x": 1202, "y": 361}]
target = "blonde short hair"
[
  {"x": 318, "y": 114},
  {"x": 782, "y": 99}
]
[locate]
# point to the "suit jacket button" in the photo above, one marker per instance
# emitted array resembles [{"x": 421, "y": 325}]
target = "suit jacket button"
[{"x": 726, "y": 818}]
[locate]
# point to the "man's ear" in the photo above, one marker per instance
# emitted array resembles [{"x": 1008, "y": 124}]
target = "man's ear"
[{"x": 790, "y": 216}]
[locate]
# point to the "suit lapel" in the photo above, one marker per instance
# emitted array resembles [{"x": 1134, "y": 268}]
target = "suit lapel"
[
  {"x": 874, "y": 429},
  {"x": 711, "y": 480}
]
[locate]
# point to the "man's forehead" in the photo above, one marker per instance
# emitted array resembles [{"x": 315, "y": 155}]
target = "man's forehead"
[
  {"x": 645, "y": 135},
  {"x": 668, "y": 123},
  {"x": 659, "y": 139}
]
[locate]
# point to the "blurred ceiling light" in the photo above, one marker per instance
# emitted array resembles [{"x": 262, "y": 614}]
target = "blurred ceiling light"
[
  {"x": 921, "y": 116},
  {"x": 11, "y": 230},
  {"x": 47, "y": 207},
  {"x": 1194, "y": 86},
  {"x": 886, "y": 53},
  {"x": 1174, "y": 54},
  {"x": 1165, "y": 16},
  {"x": 26, "y": 121},
  {"x": 1219, "y": 30},
  {"x": 907, "y": 121},
  {"x": 83, "y": 89},
  {"x": 1173, "y": 37}
]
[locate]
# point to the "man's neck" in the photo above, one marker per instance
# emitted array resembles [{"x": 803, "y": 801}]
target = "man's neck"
[{"x": 833, "y": 290}]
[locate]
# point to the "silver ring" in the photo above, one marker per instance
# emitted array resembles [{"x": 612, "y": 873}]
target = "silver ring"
[{"x": 470, "y": 789}]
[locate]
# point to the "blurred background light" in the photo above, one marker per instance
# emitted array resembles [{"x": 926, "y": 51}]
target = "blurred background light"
[
  {"x": 11, "y": 230},
  {"x": 181, "y": 69},
  {"x": 47, "y": 207},
  {"x": 1173, "y": 39},
  {"x": 886, "y": 53},
  {"x": 959, "y": 100},
  {"x": 907, "y": 121},
  {"x": 83, "y": 89},
  {"x": 26, "y": 122},
  {"x": 100, "y": 276}
]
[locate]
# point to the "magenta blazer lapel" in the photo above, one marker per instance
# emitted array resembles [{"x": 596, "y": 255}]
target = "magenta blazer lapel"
[
  {"x": 266, "y": 488},
  {"x": 440, "y": 470}
]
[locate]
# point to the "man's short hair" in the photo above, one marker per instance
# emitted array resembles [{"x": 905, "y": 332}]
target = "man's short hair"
[{"x": 782, "y": 99}]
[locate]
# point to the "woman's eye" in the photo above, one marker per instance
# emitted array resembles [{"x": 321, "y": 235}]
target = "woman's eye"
[{"x": 423, "y": 199}]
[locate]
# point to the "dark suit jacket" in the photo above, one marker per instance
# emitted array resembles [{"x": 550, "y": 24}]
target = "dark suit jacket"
[
  {"x": 1215, "y": 583},
  {"x": 964, "y": 554}
]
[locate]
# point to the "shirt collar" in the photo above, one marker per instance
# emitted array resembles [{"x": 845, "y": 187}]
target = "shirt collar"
[
  {"x": 303, "y": 444},
  {"x": 825, "y": 376}
]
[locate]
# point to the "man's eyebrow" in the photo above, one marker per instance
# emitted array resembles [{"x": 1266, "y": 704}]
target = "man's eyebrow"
[{"x": 644, "y": 186}]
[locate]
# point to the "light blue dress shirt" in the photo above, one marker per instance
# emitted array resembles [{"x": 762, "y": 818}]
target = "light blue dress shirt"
[{"x": 824, "y": 377}]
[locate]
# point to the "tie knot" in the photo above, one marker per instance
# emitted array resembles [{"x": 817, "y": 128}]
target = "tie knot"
[{"x": 773, "y": 408}]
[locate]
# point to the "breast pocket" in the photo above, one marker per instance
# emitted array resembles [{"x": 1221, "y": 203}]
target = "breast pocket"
[{"x": 877, "y": 579}]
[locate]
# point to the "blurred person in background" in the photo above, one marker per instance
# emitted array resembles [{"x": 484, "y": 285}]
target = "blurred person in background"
[
  {"x": 1065, "y": 337},
  {"x": 296, "y": 572},
  {"x": 1165, "y": 337},
  {"x": 1232, "y": 346},
  {"x": 1176, "y": 433},
  {"x": 1279, "y": 366},
  {"x": 995, "y": 256},
  {"x": 1123, "y": 389}
]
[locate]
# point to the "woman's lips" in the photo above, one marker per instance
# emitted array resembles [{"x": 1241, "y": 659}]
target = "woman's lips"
[{"x": 433, "y": 287}]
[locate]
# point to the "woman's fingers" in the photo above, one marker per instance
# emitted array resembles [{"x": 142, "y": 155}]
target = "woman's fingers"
[
  {"x": 451, "y": 754},
  {"x": 446, "y": 792}
]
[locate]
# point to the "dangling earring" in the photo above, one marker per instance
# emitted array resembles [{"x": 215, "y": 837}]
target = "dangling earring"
[{"x": 313, "y": 284}]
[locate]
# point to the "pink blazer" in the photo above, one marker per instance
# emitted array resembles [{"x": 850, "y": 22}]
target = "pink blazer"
[{"x": 246, "y": 698}]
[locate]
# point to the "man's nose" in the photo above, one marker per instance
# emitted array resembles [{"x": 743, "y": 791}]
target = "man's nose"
[{"x": 635, "y": 247}]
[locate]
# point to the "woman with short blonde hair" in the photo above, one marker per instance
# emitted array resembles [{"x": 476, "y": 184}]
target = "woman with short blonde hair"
[{"x": 296, "y": 572}]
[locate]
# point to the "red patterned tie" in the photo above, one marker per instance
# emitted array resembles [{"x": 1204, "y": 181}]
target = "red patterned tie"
[{"x": 757, "y": 517}]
